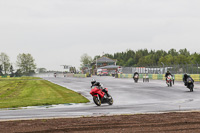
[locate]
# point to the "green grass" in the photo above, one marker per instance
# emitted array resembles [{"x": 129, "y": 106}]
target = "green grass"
[
  {"x": 19, "y": 78},
  {"x": 22, "y": 92}
]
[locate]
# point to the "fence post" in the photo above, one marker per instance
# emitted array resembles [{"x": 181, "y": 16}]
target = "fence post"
[
  {"x": 178, "y": 69},
  {"x": 192, "y": 69}
]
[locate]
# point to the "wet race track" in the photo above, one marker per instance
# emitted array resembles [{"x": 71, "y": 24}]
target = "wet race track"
[{"x": 129, "y": 98}]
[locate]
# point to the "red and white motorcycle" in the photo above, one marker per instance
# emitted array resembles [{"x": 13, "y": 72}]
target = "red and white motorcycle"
[
  {"x": 101, "y": 96},
  {"x": 169, "y": 81}
]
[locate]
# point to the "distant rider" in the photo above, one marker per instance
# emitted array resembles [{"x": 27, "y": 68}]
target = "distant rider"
[
  {"x": 167, "y": 74},
  {"x": 136, "y": 73},
  {"x": 185, "y": 77}
]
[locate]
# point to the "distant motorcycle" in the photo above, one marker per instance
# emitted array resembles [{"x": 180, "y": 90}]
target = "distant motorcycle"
[
  {"x": 100, "y": 96},
  {"x": 135, "y": 78},
  {"x": 169, "y": 81},
  {"x": 190, "y": 84}
]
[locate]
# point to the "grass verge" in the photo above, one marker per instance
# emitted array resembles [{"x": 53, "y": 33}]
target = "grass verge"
[{"x": 22, "y": 92}]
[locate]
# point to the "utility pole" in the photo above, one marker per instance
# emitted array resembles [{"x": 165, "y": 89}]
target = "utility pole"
[
  {"x": 96, "y": 63},
  {"x": 163, "y": 67}
]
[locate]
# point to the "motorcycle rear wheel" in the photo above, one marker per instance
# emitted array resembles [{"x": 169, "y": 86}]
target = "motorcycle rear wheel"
[
  {"x": 97, "y": 100},
  {"x": 191, "y": 87}
]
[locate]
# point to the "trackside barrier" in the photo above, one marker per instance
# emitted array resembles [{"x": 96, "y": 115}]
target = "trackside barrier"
[
  {"x": 154, "y": 76},
  {"x": 196, "y": 77},
  {"x": 125, "y": 75},
  {"x": 161, "y": 76},
  {"x": 178, "y": 77},
  {"x": 5, "y": 76},
  {"x": 80, "y": 75},
  {"x": 69, "y": 74}
]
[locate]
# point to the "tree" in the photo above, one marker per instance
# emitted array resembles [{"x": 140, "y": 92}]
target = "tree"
[
  {"x": 11, "y": 71},
  {"x": 18, "y": 73},
  {"x": 96, "y": 57},
  {"x": 41, "y": 70},
  {"x": 130, "y": 62},
  {"x": 184, "y": 52},
  {"x": 85, "y": 60},
  {"x": 196, "y": 58},
  {"x": 5, "y": 62},
  {"x": 1, "y": 69},
  {"x": 146, "y": 60},
  {"x": 168, "y": 59},
  {"x": 173, "y": 52},
  {"x": 143, "y": 57},
  {"x": 109, "y": 56},
  {"x": 26, "y": 64},
  {"x": 182, "y": 59}
]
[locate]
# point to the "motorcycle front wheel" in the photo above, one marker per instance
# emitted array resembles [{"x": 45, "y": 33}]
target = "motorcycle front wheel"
[
  {"x": 170, "y": 83},
  {"x": 110, "y": 101},
  {"x": 136, "y": 80},
  {"x": 97, "y": 100}
]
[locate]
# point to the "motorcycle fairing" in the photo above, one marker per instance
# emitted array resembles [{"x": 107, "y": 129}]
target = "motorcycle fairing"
[{"x": 94, "y": 91}]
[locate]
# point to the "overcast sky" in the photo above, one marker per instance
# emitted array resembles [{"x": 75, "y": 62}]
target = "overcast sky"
[{"x": 57, "y": 32}]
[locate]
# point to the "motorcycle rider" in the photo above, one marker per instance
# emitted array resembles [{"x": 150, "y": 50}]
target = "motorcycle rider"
[
  {"x": 136, "y": 73},
  {"x": 167, "y": 74},
  {"x": 93, "y": 82},
  {"x": 185, "y": 77},
  {"x": 99, "y": 86}
]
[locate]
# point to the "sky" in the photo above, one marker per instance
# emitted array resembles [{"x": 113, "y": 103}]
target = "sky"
[{"x": 59, "y": 32}]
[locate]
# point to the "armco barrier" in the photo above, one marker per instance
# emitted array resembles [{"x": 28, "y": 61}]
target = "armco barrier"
[
  {"x": 196, "y": 77},
  {"x": 125, "y": 75},
  {"x": 141, "y": 75},
  {"x": 155, "y": 76},
  {"x": 80, "y": 75},
  {"x": 178, "y": 77},
  {"x": 161, "y": 77},
  {"x": 150, "y": 76}
]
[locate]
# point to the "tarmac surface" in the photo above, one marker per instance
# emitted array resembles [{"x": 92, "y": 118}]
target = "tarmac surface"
[
  {"x": 176, "y": 122},
  {"x": 129, "y": 98}
]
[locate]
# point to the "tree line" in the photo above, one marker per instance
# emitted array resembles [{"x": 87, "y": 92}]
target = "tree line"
[
  {"x": 25, "y": 65},
  {"x": 144, "y": 57}
]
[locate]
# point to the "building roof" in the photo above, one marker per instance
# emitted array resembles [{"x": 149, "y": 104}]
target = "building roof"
[
  {"x": 109, "y": 67},
  {"x": 105, "y": 59}
]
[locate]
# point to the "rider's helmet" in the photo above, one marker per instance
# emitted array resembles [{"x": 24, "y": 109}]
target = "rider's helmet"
[
  {"x": 93, "y": 81},
  {"x": 185, "y": 75},
  {"x": 168, "y": 71},
  {"x": 101, "y": 85},
  {"x": 135, "y": 73},
  {"x": 97, "y": 84}
]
